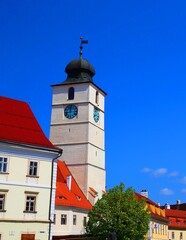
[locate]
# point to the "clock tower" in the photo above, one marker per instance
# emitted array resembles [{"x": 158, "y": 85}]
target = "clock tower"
[{"x": 77, "y": 126}]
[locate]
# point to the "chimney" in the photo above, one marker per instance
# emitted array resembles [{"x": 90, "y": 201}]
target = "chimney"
[
  {"x": 69, "y": 182},
  {"x": 167, "y": 206},
  {"x": 178, "y": 202},
  {"x": 144, "y": 193}
]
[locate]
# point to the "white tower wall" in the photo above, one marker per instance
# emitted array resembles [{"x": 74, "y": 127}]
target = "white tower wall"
[{"x": 81, "y": 138}]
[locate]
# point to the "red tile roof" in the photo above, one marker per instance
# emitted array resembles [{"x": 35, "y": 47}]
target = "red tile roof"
[
  {"x": 65, "y": 197},
  {"x": 175, "y": 213},
  {"x": 19, "y": 125},
  {"x": 177, "y": 218}
]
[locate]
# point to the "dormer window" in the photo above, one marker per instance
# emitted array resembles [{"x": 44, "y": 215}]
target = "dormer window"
[
  {"x": 178, "y": 221},
  {"x": 61, "y": 197},
  {"x": 69, "y": 182},
  {"x": 71, "y": 93},
  {"x": 78, "y": 197}
]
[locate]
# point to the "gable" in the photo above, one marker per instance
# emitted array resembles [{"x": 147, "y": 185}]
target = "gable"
[
  {"x": 18, "y": 124},
  {"x": 69, "y": 196}
]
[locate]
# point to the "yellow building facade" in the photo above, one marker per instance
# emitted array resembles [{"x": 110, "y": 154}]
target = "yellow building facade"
[{"x": 158, "y": 226}]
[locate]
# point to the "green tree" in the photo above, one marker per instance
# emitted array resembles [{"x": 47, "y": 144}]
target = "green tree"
[{"x": 119, "y": 211}]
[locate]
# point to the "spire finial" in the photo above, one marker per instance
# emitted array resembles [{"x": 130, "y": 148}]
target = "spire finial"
[{"x": 81, "y": 46}]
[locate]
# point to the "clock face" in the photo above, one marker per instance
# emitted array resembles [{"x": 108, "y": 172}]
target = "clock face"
[
  {"x": 96, "y": 115},
  {"x": 70, "y": 111}
]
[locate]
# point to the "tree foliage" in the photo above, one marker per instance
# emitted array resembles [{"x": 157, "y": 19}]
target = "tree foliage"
[{"x": 121, "y": 212}]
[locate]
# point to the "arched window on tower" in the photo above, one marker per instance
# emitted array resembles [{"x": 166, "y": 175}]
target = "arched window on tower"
[
  {"x": 71, "y": 93},
  {"x": 97, "y": 97}
]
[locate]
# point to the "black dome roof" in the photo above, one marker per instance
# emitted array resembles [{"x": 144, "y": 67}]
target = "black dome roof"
[
  {"x": 80, "y": 65},
  {"x": 79, "y": 71}
]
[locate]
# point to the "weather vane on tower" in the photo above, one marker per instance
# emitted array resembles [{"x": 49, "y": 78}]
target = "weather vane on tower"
[{"x": 81, "y": 46}]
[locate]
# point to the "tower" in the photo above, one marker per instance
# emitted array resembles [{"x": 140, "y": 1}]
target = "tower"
[{"x": 77, "y": 126}]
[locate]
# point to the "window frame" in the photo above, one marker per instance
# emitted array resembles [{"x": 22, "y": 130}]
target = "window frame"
[
  {"x": 4, "y": 164},
  {"x": 32, "y": 169},
  {"x": 28, "y": 202},
  {"x": 172, "y": 235},
  {"x": 3, "y": 192},
  {"x": 84, "y": 221},
  {"x": 54, "y": 219},
  {"x": 2, "y": 202},
  {"x": 74, "y": 219},
  {"x": 63, "y": 219},
  {"x": 71, "y": 93},
  {"x": 97, "y": 98}
]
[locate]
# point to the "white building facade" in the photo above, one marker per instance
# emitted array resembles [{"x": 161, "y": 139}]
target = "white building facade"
[
  {"x": 72, "y": 207},
  {"x": 27, "y": 175}
]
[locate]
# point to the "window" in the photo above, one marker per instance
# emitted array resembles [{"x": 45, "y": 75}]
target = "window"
[
  {"x": 2, "y": 202},
  {"x": 63, "y": 219},
  {"x": 69, "y": 182},
  {"x": 3, "y": 164},
  {"x": 163, "y": 229},
  {"x": 30, "y": 203},
  {"x": 156, "y": 228},
  {"x": 71, "y": 93},
  {"x": 172, "y": 235},
  {"x": 181, "y": 235},
  {"x": 97, "y": 97},
  {"x": 84, "y": 221},
  {"x": 54, "y": 218},
  {"x": 33, "y": 168},
  {"x": 74, "y": 219}
]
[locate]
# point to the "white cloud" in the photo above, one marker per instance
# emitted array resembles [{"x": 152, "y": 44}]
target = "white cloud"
[
  {"x": 173, "y": 174},
  {"x": 159, "y": 172},
  {"x": 184, "y": 180},
  {"x": 155, "y": 172},
  {"x": 166, "y": 191},
  {"x": 146, "y": 170}
]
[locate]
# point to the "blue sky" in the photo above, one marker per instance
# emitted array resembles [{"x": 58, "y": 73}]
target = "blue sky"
[{"x": 138, "y": 49}]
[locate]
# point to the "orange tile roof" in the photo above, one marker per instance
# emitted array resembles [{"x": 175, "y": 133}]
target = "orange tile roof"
[
  {"x": 66, "y": 197},
  {"x": 18, "y": 124},
  {"x": 147, "y": 200},
  {"x": 154, "y": 209}
]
